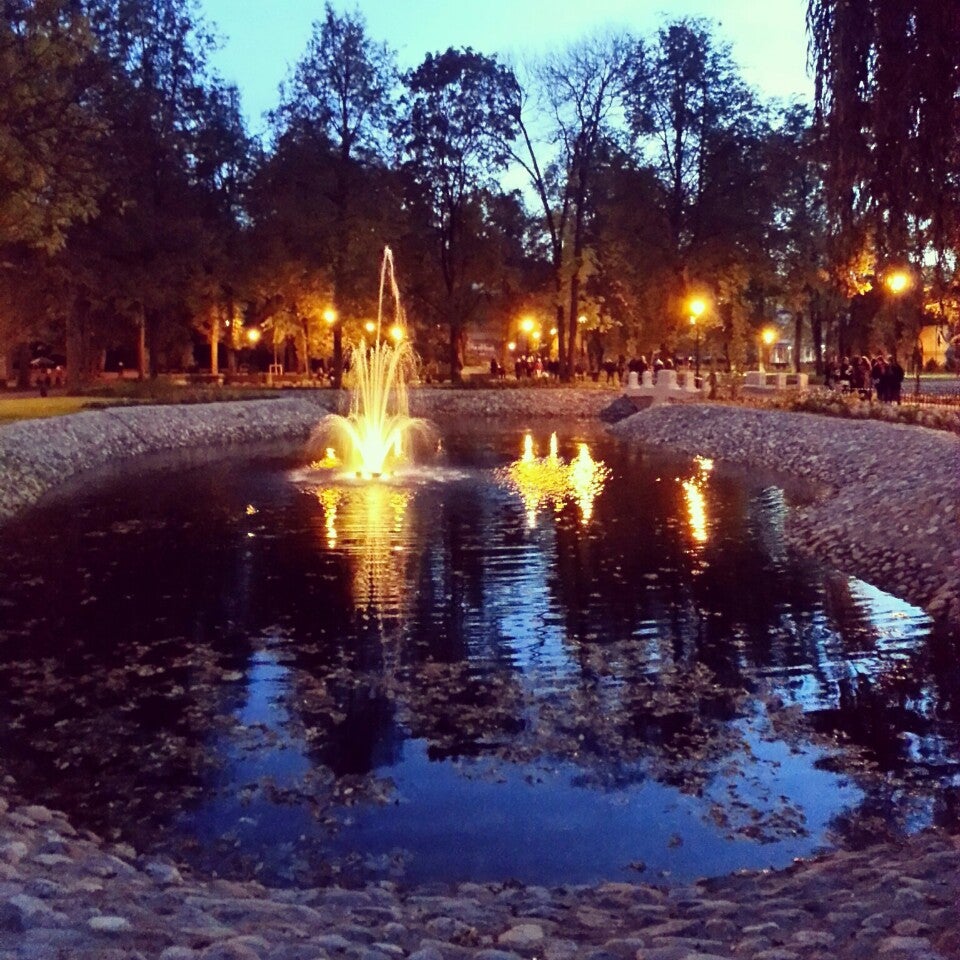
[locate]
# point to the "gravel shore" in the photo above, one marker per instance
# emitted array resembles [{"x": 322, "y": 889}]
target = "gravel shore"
[
  {"x": 892, "y": 513},
  {"x": 890, "y": 516}
]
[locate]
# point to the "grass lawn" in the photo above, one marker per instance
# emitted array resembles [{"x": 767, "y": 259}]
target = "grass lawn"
[{"x": 35, "y": 408}]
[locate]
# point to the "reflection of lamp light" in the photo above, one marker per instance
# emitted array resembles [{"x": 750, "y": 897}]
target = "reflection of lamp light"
[
  {"x": 367, "y": 524},
  {"x": 551, "y": 481},
  {"x": 696, "y": 501}
]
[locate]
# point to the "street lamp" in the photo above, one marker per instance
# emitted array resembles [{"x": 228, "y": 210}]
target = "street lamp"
[
  {"x": 332, "y": 320},
  {"x": 696, "y": 307},
  {"x": 253, "y": 336},
  {"x": 898, "y": 282},
  {"x": 526, "y": 325},
  {"x": 396, "y": 332},
  {"x": 768, "y": 336}
]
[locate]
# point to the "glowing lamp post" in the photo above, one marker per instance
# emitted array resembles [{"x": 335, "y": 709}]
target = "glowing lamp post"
[
  {"x": 253, "y": 336},
  {"x": 898, "y": 283},
  {"x": 768, "y": 338},
  {"x": 396, "y": 333},
  {"x": 696, "y": 308},
  {"x": 526, "y": 325},
  {"x": 332, "y": 320}
]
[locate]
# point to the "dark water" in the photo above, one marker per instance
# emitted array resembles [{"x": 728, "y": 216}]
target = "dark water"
[{"x": 555, "y": 672}]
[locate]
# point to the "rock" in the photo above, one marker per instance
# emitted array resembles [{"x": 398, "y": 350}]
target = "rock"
[
  {"x": 903, "y": 948},
  {"x": 525, "y": 936},
  {"x": 164, "y": 873},
  {"x": 109, "y": 924},
  {"x": 13, "y": 852},
  {"x": 234, "y": 949}
]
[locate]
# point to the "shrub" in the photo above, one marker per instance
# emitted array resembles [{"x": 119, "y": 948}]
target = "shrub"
[{"x": 833, "y": 404}]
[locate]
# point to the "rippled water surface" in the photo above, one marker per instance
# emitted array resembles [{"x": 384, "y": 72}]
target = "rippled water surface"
[{"x": 556, "y": 664}]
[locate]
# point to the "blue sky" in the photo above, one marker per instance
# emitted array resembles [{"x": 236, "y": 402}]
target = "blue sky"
[{"x": 262, "y": 40}]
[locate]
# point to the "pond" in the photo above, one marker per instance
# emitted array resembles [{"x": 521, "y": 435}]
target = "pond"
[{"x": 555, "y": 659}]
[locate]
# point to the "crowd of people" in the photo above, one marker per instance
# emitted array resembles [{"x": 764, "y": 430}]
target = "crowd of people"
[{"x": 882, "y": 376}]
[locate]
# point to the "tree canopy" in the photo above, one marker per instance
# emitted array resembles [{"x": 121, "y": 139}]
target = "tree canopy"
[{"x": 591, "y": 192}]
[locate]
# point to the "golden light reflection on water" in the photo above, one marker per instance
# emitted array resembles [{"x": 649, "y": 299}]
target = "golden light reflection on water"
[
  {"x": 696, "y": 501},
  {"x": 549, "y": 481},
  {"x": 368, "y": 523}
]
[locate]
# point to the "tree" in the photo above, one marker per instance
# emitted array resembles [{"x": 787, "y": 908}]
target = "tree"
[
  {"x": 703, "y": 132},
  {"x": 888, "y": 108},
  {"x": 888, "y": 97},
  {"x": 49, "y": 176},
  {"x": 582, "y": 87},
  {"x": 455, "y": 133},
  {"x": 342, "y": 89},
  {"x": 48, "y": 126},
  {"x": 135, "y": 262}
]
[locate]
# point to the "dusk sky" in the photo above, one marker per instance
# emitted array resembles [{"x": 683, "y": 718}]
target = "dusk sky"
[{"x": 262, "y": 40}]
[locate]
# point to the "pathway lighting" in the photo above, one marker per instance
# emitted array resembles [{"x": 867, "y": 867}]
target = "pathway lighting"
[
  {"x": 768, "y": 337},
  {"x": 526, "y": 327},
  {"x": 396, "y": 332},
  {"x": 898, "y": 283},
  {"x": 696, "y": 307}
]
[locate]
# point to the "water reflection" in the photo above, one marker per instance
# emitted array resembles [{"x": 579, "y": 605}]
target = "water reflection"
[
  {"x": 367, "y": 522},
  {"x": 550, "y": 481},
  {"x": 694, "y": 492},
  {"x": 182, "y": 659}
]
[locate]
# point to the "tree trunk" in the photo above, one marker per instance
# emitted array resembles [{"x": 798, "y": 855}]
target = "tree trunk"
[
  {"x": 153, "y": 345},
  {"x": 816, "y": 329},
  {"x": 565, "y": 345},
  {"x": 456, "y": 342},
  {"x": 566, "y": 372},
  {"x": 797, "y": 339},
  {"x": 23, "y": 366},
  {"x": 143, "y": 361},
  {"x": 78, "y": 346},
  {"x": 214, "y": 338}
]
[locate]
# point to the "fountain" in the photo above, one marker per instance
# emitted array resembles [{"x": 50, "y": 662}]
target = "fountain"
[{"x": 375, "y": 437}]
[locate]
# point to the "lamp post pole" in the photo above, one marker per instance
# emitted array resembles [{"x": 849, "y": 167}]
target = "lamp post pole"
[
  {"x": 697, "y": 306},
  {"x": 898, "y": 283}
]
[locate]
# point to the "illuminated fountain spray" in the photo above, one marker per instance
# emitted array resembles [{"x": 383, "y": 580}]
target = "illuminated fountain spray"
[{"x": 374, "y": 438}]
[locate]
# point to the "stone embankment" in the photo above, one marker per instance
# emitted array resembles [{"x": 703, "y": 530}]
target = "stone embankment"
[
  {"x": 891, "y": 516},
  {"x": 67, "y": 895},
  {"x": 38, "y": 456}
]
